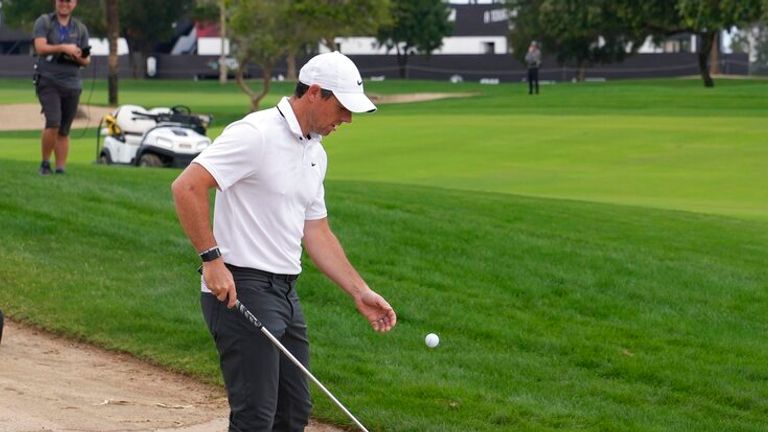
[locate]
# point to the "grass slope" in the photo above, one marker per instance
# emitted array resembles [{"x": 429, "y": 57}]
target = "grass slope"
[{"x": 553, "y": 315}]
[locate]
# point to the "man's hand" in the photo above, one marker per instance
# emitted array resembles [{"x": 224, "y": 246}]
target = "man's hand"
[
  {"x": 219, "y": 281},
  {"x": 71, "y": 50},
  {"x": 377, "y": 311}
]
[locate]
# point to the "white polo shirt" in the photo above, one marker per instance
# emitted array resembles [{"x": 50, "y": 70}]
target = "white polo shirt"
[{"x": 270, "y": 181}]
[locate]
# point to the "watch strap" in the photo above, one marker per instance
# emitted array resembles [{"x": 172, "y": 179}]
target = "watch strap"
[{"x": 210, "y": 254}]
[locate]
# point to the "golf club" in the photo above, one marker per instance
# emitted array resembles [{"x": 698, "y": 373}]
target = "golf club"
[{"x": 255, "y": 321}]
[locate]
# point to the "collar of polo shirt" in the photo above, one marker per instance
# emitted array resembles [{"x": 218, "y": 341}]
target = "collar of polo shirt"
[{"x": 285, "y": 109}]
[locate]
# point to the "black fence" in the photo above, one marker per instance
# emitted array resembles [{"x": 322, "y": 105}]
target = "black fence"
[
  {"x": 22, "y": 66},
  {"x": 472, "y": 68},
  {"x": 505, "y": 68}
]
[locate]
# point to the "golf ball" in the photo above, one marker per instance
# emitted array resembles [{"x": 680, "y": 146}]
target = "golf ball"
[{"x": 432, "y": 340}]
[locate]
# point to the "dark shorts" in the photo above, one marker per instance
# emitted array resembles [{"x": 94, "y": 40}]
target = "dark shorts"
[
  {"x": 266, "y": 391},
  {"x": 59, "y": 104}
]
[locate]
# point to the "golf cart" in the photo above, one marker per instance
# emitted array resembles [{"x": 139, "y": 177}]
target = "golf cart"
[{"x": 160, "y": 137}]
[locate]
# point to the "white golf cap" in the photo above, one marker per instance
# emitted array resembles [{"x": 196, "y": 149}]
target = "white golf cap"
[{"x": 336, "y": 72}]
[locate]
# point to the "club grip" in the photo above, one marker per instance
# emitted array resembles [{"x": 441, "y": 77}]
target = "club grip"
[{"x": 243, "y": 310}]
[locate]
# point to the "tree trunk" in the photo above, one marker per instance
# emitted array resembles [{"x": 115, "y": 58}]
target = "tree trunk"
[
  {"x": 402, "y": 62},
  {"x": 266, "y": 80},
  {"x": 138, "y": 64},
  {"x": 240, "y": 79},
  {"x": 582, "y": 74},
  {"x": 255, "y": 98},
  {"x": 223, "y": 37},
  {"x": 113, "y": 33},
  {"x": 714, "y": 61},
  {"x": 329, "y": 40},
  {"x": 290, "y": 61},
  {"x": 703, "y": 55}
]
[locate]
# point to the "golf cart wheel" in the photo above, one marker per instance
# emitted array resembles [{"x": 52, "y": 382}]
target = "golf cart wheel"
[
  {"x": 150, "y": 160},
  {"x": 104, "y": 159}
]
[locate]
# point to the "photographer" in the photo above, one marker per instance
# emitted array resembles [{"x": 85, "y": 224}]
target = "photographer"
[{"x": 61, "y": 44}]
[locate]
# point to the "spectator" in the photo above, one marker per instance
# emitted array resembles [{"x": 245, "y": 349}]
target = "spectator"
[
  {"x": 61, "y": 45},
  {"x": 533, "y": 61}
]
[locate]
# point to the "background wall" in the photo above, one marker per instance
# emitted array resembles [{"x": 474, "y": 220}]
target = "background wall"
[{"x": 505, "y": 68}]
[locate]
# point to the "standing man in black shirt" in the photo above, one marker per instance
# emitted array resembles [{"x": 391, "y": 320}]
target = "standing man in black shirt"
[{"x": 533, "y": 61}]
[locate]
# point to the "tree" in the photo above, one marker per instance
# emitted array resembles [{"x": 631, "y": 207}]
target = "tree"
[
  {"x": 322, "y": 21},
  {"x": 327, "y": 19},
  {"x": 578, "y": 32},
  {"x": 223, "y": 36},
  {"x": 284, "y": 28},
  {"x": 704, "y": 18},
  {"x": 708, "y": 18},
  {"x": 145, "y": 22},
  {"x": 417, "y": 27},
  {"x": 113, "y": 34},
  {"x": 260, "y": 36}
]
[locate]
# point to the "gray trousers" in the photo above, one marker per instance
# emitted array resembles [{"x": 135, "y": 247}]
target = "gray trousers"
[
  {"x": 266, "y": 391},
  {"x": 59, "y": 104}
]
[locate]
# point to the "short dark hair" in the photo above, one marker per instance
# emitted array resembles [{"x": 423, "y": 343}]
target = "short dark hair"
[{"x": 302, "y": 88}]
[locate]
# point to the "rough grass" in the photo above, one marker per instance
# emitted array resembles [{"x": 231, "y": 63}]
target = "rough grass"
[{"x": 552, "y": 314}]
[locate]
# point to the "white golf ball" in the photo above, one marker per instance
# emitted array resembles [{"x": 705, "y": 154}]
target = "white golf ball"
[{"x": 432, "y": 340}]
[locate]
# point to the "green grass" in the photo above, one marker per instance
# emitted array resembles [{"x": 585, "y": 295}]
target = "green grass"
[
  {"x": 636, "y": 304},
  {"x": 668, "y": 144},
  {"x": 552, "y": 314},
  {"x": 682, "y": 163}
]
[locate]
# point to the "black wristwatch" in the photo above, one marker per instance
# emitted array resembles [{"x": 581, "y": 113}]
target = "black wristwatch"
[{"x": 210, "y": 254}]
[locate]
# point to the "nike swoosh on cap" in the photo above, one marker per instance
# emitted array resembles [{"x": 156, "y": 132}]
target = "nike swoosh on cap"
[{"x": 359, "y": 83}]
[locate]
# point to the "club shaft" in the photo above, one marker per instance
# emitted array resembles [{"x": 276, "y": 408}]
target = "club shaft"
[{"x": 296, "y": 361}]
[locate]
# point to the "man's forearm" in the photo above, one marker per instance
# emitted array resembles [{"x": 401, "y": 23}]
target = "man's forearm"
[
  {"x": 326, "y": 252},
  {"x": 193, "y": 211},
  {"x": 43, "y": 48}
]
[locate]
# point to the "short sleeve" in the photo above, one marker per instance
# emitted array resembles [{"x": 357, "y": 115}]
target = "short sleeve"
[
  {"x": 84, "y": 36},
  {"x": 316, "y": 208},
  {"x": 40, "y": 30},
  {"x": 235, "y": 154}
]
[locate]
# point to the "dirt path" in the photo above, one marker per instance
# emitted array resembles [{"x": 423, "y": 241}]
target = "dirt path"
[
  {"x": 28, "y": 117},
  {"x": 415, "y": 97},
  {"x": 48, "y": 383}
]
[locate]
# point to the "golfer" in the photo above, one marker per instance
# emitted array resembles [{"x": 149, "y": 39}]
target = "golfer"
[{"x": 268, "y": 169}]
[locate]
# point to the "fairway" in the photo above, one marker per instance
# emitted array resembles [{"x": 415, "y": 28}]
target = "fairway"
[
  {"x": 664, "y": 144},
  {"x": 592, "y": 259},
  {"x": 654, "y": 161}
]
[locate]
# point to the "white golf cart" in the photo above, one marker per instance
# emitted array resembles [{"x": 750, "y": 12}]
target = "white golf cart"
[{"x": 160, "y": 137}]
